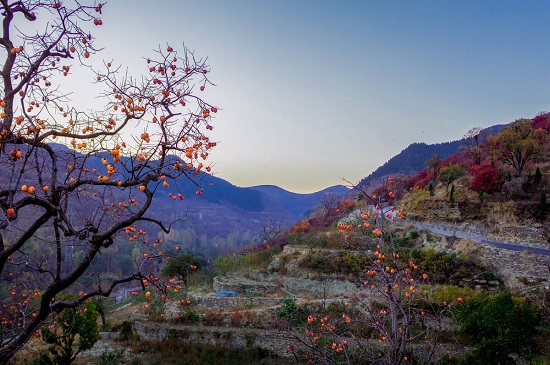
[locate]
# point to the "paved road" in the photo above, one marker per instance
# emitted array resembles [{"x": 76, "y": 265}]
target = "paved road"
[{"x": 507, "y": 245}]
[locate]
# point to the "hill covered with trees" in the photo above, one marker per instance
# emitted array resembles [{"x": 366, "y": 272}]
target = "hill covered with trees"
[{"x": 413, "y": 158}]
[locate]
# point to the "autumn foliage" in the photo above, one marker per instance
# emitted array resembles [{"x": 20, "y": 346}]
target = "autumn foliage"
[
  {"x": 542, "y": 121},
  {"x": 485, "y": 178}
]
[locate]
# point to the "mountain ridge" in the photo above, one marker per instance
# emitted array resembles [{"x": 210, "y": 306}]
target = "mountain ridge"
[{"x": 411, "y": 159}]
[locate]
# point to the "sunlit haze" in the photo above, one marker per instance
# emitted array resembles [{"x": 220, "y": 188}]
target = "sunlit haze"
[{"x": 313, "y": 92}]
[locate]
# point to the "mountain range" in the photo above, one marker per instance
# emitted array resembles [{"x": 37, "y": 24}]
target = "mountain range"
[{"x": 225, "y": 210}]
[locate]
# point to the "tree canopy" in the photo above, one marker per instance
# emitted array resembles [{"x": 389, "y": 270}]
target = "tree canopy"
[
  {"x": 181, "y": 267},
  {"x": 518, "y": 144},
  {"x": 500, "y": 327},
  {"x": 450, "y": 173}
]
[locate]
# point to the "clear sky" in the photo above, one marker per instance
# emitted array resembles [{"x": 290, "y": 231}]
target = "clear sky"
[{"x": 315, "y": 91}]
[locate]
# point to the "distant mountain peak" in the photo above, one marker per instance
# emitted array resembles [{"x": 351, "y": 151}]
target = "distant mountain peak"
[{"x": 338, "y": 189}]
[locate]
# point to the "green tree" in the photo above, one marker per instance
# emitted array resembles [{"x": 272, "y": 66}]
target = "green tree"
[
  {"x": 452, "y": 196},
  {"x": 450, "y": 173},
  {"x": 289, "y": 310},
  {"x": 501, "y": 328},
  {"x": 73, "y": 331},
  {"x": 101, "y": 309},
  {"x": 518, "y": 144},
  {"x": 181, "y": 267}
]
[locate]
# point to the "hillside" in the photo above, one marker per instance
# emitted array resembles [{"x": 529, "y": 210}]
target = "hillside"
[
  {"x": 412, "y": 159},
  {"x": 268, "y": 305},
  {"x": 226, "y": 216},
  {"x": 493, "y": 195},
  {"x": 317, "y": 283}
]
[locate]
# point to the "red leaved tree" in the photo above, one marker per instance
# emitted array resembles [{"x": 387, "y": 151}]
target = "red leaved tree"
[
  {"x": 486, "y": 178},
  {"x": 62, "y": 204}
]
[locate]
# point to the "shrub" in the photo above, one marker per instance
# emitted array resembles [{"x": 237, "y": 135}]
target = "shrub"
[
  {"x": 420, "y": 180},
  {"x": 111, "y": 357},
  {"x": 486, "y": 178},
  {"x": 501, "y": 328},
  {"x": 227, "y": 264},
  {"x": 445, "y": 268},
  {"x": 191, "y": 316},
  {"x": 315, "y": 260},
  {"x": 450, "y": 293},
  {"x": 74, "y": 330},
  {"x": 289, "y": 310},
  {"x": 300, "y": 227},
  {"x": 126, "y": 331},
  {"x": 515, "y": 187}
]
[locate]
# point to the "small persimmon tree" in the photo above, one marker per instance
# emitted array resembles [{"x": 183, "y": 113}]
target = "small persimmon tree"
[
  {"x": 73, "y": 182},
  {"x": 391, "y": 319},
  {"x": 181, "y": 267}
]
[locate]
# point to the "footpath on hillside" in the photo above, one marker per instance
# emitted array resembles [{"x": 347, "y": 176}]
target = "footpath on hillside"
[{"x": 479, "y": 237}]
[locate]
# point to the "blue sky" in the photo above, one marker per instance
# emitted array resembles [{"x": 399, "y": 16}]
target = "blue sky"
[{"x": 315, "y": 91}]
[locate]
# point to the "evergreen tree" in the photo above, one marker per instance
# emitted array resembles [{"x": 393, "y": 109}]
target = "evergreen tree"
[{"x": 452, "y": 196}]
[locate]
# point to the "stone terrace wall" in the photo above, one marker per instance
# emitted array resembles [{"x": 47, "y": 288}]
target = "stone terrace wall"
[
  {"x": 243, "y": 286},
  {"x": 219, "y": 336},
  {"x": 516, "y": 267},
  {"x": 219, "y": 302}
]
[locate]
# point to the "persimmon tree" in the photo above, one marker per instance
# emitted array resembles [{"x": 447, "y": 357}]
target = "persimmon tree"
[
  {"x": 74, "y": 182},
  {"x": 386, "y": 324},
  {"x": 180, "y": 267}
]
